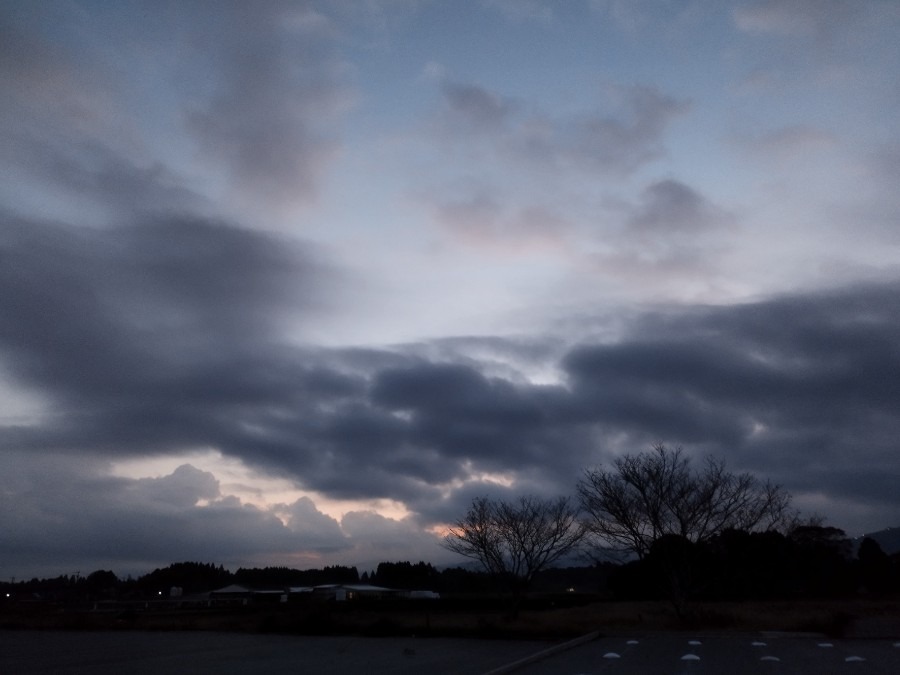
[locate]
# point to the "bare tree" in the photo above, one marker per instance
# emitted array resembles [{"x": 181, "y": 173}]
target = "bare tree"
[
  {"x": 653, "y": 494},
  {"x": 513, "y": 541}
]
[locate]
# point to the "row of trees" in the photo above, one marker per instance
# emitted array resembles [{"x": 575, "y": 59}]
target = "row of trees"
[
  {"x": 198, "y": 577},
  {"x": 625, "y": 509},
  {"x": 809, "y": 561},
  {"x": 190, "y": 577}
]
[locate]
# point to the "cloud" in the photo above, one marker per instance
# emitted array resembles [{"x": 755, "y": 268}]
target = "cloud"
[
  {"x": 131, "y": 332},
  {"x": 279, "y": 89},
  {"x": 241, "y": 108},
  {"x": 63, "y": 514},
  {"x": 669, "y": 206},
  {"x": 421, "y": 425},
  {"x": 50, "y": 80},
  {"x": 71, "y": 148},
  {"x": 670, "y": 21},
  {"x": 475, "y": 108},
  {"x": 798, "y": 388},
  {"x": 522, "y": 10},
  {"x": 111, "y": 185},
  {"x": 182, "y": 489},
  {"x": 791, "y": 142},
  {"x": 670, "y": 242},
  {"x": 796, "y": 17},
  {"x": 617, "y": 140},
  {"x": 379, "y": 539},
  {"x": 481, "y": 221},
  {"x": 315, "y": 530}
]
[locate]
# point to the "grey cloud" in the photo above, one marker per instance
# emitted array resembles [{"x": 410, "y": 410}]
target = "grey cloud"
[
  {"x": 131, "y": 525},
  {"x": 480, "y": 220},
  {"x": 181, "y": 489},
  {"x": 95, "y": 308},
  {"x": 614, "y": 141},
  {"x": 280, "y": 90},
  {"x": 148, "y": 338},
  {"x": 45, "y": 78},
  {"x": 476, "y": 108},
  {"x": 466, "y": 415},
  {"x": 799, "y": 387},
  {"x": 620, "y": 143},
  {"x": 455, "y": 392},
  {"x": 649, "y": 16},
  {"x": 671, "y": 206},
  {"x": 261, "y": 92},
  {"x": 815, "y": 18},
  {"x": 793, "y": 139},
  {"x": 93, "y": 174},
  {"x": 316, "y": 531},
  {"x": 522, "y": 10},
  {"x": 879, "y": 204},
  {"x": 670, "y": 234},
  {"x": 62, "y": 126},
  {"x": 163, "y": 337},
  {"x": 378, "y": 539}
]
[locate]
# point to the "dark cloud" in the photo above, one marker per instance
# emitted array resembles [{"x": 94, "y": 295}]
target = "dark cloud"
[
  {"x": 378, "y": 539},
  {"x": 164, "y": 337},
  {"x": 800, "y": 388},
  {"x": 59, "y": 515},
  {"x": 318, "y": 531},
  {"x": 142, "y": 336}
]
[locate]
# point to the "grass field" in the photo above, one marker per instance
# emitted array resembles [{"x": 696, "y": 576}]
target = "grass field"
[{"x": 456, "y": 619}]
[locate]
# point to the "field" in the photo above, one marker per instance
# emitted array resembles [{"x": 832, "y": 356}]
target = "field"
[{"x": 544, "y": 620}]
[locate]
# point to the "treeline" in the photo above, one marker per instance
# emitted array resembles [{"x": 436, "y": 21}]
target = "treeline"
[
  {"x": 809, "y": 562},
  {"x": 188, "y": 577},
  {"x": 196, "y": 577}
]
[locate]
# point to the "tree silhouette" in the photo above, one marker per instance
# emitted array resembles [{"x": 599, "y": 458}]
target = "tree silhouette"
[
  {"x": 653, "y": 494},
  {"x": 875, "y": 569},
  {"x": 513, "y": 541}
]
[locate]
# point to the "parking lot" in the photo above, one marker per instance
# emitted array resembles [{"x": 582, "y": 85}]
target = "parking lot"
[
  {"x": 674, "y": 653},
  {"x": 99, "y": 653}
]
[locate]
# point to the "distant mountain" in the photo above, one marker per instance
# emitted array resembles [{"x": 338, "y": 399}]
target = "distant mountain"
[{"x": 888, "y": 539}]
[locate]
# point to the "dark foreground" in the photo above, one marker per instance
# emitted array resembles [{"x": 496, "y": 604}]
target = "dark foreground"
[
  {"x": 677, "y": 654},
  {"x": 138, "y": 652},
  {"x": 199, "y": 653},
  {"x": 550, "y": 621}
]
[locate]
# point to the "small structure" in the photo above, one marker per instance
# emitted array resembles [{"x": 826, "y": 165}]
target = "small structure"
[
  {"x": 242, "y": 595},
  {"x": 356, "y": 592},
  {"x": 232, "y": 594},
  {"x": 367, "y": 591}
]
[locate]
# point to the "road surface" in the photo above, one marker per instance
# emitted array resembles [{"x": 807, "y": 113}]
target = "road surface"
[{"x": 681, "y": 654}]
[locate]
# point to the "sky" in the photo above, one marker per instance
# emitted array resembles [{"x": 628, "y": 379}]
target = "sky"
[{"x": 291, "y": 283}]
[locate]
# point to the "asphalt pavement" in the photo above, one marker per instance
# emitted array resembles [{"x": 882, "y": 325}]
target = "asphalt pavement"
[
  {"x": 722, "y": 654},
  {"x": 198, "y": 653},
  {"x": 29, "y": 652}
]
